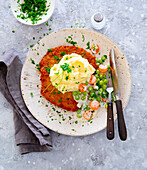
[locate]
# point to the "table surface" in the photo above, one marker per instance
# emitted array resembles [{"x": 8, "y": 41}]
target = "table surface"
[{"x": 126, "y": 25}]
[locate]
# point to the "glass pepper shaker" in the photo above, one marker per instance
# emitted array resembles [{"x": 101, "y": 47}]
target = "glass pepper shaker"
[{"x": 98, "y": 21}]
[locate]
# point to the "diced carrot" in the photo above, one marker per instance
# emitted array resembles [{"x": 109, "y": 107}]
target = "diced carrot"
[
  {"x": 92, "y": 80},
  {"x": 88, "y": 115},
  {"x": 94, "y": 105},
  {"x": 95, "y": 49},
  {"x": 103, "y": 68},
  {"x": 82, "y": 87},
  {"x": 104, "y": 100}
]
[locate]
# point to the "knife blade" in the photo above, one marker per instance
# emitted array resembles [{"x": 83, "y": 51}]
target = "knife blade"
[{"x": 121, "y": 122}]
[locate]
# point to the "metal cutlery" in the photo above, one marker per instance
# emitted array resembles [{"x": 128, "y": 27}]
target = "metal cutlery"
[
  {"x": 110, "y": 120},
  {"x": 121, "y": 122}
]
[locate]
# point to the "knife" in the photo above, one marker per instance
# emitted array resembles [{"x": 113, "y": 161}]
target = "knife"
[{"x": 121, "y": 122}]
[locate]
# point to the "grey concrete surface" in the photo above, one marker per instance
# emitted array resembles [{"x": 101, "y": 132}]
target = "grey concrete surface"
[{"x": 126, "y": 25}]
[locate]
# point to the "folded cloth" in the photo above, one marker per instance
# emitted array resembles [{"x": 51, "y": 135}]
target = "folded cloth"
[{"x": 30, "y": 135}]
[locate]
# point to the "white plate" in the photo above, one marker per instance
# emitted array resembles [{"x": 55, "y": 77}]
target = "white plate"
[
  {"x": 16, "y": 11},
  {"x": 46, "y": 115}
]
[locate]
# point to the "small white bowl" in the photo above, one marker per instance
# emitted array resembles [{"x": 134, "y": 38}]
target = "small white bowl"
[{"x": 16, "y": 11}]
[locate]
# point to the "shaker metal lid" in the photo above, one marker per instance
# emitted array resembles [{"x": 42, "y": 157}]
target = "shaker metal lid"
[{"x": 98, "y": 17}]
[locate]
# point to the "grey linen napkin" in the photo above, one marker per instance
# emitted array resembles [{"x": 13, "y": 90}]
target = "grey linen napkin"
[{"x": 30, "y": 135}]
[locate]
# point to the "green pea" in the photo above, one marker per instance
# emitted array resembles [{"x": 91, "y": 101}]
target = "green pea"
[
  {"x": 90, "y": 98},
  {"x": 97, "y": 80},
  {"x": 101, "y": 82},
  {"x": 105, "y": 81},
  {"x": 78, "y": 111},
  {"x": 104, "y": 87},
  {"x": 85, "y": 93},
  {"x": 106, "y": 105},
  {"x": 83, "y": 98},
  {"x": 99, "y": 93},
  {"x": 96, "y": 60},
  {"x": 101, "y": 90},
  {"x": 103, "y": 58},
  {"x": 97, "y": 72},
  {"x": 74, "y": 93},
  {"x": 86, "y": 83},
  {"x": 100, "y": 61},
  {"x": 79, "y": 115},
  {"x": 101, "y": 76},
  {"x": 98, "y": 99},
  {"x": 91, "y": 94},
  {"x": 87, "y": 108},
  {"x": 104, "y": 76},
  {"x": 96, "y": 75},
  {"x": 78, "y": 92},
  {"x": 90, "y": 88},
  {"x": 77, "y": 97}
]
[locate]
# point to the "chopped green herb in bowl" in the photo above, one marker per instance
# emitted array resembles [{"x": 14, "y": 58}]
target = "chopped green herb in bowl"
[{"x": 32, "y": 12}]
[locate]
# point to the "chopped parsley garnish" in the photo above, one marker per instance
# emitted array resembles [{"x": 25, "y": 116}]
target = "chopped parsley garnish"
[
  {"x": 31, "y": 94},
  {"x": 54, "y": 93},
  {"x": 33, "y": 62},
  {"x": 38, "y": 67},
  {"x": 56, "y": 73},
  {"x": 58, "y": 92},
  {"x": 66, "y": 78},
  {"x": 66, "y": 67},
  {"x": 31, "y": 45},
  {"x": 88, "y": 46},
  {"x": 67, "y": 98},
  {"x": 69, "y": 40},
  {"x": 76, "y": 122},
  {"x": 48, "y": 69},
  {"x": 73, "y": 130},
  {"x": 57, "y": 58},
  {"x": 83, "y": 38},
  {"x": 37, "y": 53},
  {"x": 77, "y": 82},
  {"x": 13, "y": 31},
  {"x": 63, "y": 53},
  {"x": 50, "y": 50},
  {"x": 53, "y": 108},
  {"x": 70, "y": 117},
  {"x": 47, "y": 23},
  {"x": 33, "y": 10}
]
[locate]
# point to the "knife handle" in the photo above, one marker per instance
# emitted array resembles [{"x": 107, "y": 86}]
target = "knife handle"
[
  {"x": 121, "y": 122},
  {"x": 110, "y": 121}
]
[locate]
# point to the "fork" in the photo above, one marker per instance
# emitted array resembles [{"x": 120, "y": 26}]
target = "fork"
[{"x": 110, "y": 120}]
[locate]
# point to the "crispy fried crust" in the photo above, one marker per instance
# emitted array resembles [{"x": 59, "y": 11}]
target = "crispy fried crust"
[{"x": 66, "y": 100}]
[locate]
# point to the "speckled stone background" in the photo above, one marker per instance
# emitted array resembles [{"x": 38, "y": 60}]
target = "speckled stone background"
[{"x": 126, "y": 25}]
